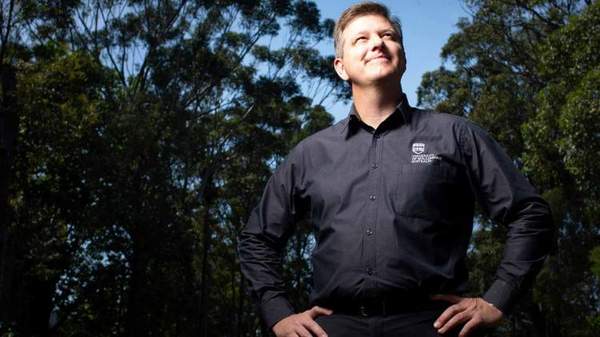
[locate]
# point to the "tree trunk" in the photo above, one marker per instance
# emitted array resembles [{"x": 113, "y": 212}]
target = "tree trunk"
[
  {"x": 8, "y": 135},
  {"x": 35, "y": 319},
  {"x": 240, "y": 313},
  {"x": 539, "y": 321},
  {"x": 207, "y": 201},
  {"x": 138, "y": 320},
  {"x": 135, "y": 312}
]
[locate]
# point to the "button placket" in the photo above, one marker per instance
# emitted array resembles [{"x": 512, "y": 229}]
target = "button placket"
[{"x": 371, "y": 213}]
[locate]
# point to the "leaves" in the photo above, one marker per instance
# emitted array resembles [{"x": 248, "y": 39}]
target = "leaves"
[
  {"x": 146, "y": 132},
  {"x": 528, "y": 72}
]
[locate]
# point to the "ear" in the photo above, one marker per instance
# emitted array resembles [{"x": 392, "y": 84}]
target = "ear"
[{"x": 338, "y": 64}]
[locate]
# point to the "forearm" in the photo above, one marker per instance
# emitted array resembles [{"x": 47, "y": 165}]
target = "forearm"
[
  {"x": 528, "y": 243},
  {"x": 261, "y": 265}
]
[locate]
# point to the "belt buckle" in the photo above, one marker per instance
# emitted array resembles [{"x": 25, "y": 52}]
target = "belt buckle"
[{"x": 363, "y": 310}]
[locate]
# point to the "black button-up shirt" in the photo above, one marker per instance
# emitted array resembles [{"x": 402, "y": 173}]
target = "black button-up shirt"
[{"x": 392, "y": 209}]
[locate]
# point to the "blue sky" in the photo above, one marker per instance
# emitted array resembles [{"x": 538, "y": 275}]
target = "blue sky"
[{"x": 426, "y": 26}]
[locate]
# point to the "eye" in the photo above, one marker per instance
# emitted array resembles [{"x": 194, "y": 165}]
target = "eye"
[
  {"x": 388, "y": 35},
  {"x": 360, "y": 39}
]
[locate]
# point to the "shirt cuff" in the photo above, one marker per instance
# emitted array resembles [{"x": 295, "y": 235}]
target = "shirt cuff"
[
  {"x": 502, "y": 295},
  {"x": 275, "y": 310}
]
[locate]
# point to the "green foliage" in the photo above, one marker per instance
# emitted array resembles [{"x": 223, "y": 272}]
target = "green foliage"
[
  {"x": 595, "y": 260},
  {"x": 145, "y": 134},
  {"x": 528, "y": 72},
  {"x": 580, "y": 142}
]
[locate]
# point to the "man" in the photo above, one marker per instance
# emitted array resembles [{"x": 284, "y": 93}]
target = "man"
[{"x": 390, "y": 191}]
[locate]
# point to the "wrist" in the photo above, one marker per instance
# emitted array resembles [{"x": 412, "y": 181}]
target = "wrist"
[{"x": 501, "y": 295}]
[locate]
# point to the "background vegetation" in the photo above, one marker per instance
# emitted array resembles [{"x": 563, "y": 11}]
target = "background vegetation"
[{"x": 136, "y": 136}]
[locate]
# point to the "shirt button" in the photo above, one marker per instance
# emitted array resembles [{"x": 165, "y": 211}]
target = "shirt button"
[
  {"x": 370, "y": 271},
  {"x": 376, "y": 135},
  {"x": 370, "y": 232},
  {"x": 374, "y": 166},
  {"x": 372, "y": 197}
]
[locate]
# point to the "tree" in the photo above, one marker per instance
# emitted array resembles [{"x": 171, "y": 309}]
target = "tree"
[
  {"x": 147, "y": 134},
  {"x": 528, "y": 72}
]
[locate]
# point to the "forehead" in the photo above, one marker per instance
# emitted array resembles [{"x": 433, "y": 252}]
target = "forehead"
[{"x": 366, "y": 23}]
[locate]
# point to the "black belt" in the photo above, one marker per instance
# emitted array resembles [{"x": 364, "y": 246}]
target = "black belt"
[{"x": 383, "y": 306}]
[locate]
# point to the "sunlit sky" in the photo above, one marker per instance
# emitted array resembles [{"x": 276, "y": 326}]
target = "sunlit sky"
[{"x": 426, "y": 26}]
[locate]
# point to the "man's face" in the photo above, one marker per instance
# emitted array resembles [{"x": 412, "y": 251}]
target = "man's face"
[{"x": 371, "y": 52}]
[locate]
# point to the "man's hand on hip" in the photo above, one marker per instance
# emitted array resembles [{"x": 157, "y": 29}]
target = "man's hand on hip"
[
  {"x": 472, "y": 312},
  {"x": 302, "y": 324}
]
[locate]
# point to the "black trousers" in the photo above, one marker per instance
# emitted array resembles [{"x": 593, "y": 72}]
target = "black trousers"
[{"x": 407, "y": 324}]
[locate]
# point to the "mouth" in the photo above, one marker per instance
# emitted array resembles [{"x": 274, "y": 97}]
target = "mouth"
[{"x": 378, "y": 57}]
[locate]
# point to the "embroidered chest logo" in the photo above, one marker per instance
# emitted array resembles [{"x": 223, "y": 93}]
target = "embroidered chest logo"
[
  {"x": 419, "y": 155},
  {"x": 418, "y": 148}
]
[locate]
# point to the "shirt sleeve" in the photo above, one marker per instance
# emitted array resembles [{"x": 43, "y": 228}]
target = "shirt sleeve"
[
  {"x": 263, "y": 239},
  {"x": 509, "y": 199}
]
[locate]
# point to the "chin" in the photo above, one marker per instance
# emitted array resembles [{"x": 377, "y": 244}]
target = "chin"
[{"x": 382, "y": 75}]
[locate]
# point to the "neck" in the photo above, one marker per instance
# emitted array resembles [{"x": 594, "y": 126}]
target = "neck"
[{"x": 374, "y": 103}]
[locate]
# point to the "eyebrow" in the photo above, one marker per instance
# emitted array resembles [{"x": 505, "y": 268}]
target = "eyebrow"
[{"x": 379, "y": 31}]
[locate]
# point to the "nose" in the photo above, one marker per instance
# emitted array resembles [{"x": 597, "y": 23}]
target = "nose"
[{"x": 376, "y": 41}]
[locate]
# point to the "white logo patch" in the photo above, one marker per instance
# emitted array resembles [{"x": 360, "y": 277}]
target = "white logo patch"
[
  {"x": 420, "y": 157},
  {"x": 418, "y": 148}
]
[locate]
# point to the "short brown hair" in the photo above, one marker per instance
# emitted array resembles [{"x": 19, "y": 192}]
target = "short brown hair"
[{"x": 362, "y": 9}]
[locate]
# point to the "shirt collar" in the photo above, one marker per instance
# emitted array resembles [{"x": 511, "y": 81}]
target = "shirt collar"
[{"x": 401, "y": 115}]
